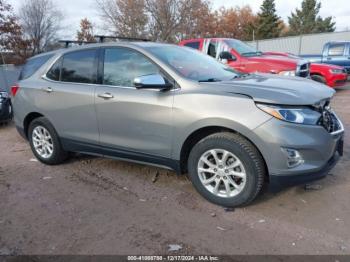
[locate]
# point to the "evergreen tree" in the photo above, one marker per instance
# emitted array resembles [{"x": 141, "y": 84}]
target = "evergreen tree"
[
  {"x": 269, "y": 23},
  {"x": 307, "y": 20}
]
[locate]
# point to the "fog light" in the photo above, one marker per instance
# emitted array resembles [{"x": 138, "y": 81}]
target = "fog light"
[{"x": 293, "y": 157}]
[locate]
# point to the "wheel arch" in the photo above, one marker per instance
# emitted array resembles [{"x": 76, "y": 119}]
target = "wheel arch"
[
  {"x": 197, "y": 135},
  {"x": 28, "y": 119}
]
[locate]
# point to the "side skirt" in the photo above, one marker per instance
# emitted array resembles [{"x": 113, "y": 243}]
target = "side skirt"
[{"x": 120, "y": 154}]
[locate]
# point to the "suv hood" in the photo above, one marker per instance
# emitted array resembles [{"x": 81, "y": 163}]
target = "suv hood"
[
  {"x": 285, "y": 62},
  {"x": 273, "y": 89}
]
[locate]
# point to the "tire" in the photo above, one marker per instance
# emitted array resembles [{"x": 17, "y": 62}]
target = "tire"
[
  {"x": 57, "y": 155},
  {"x": 319, "y": 79},
  {"x": 237, "y": 150},
  {"x": 10, "y": 111}
]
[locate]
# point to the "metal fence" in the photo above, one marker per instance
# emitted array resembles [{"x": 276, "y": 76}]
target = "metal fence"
[
  {"x": 8, "y": 76},
  {"x": 301, "y": 45}
]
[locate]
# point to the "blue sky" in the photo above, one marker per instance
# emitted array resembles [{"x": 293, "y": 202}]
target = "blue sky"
[{"x": 77, "y": 9}]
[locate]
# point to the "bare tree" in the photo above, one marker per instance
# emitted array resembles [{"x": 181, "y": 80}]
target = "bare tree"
[
  {"x": 41, "y": 21},
  {"x": 165, "y": 18},
  {"x": 198, "y": 20},
  {"x": 11, "y": 35},
  {"x": 171, "y": 20},
  {"x": 86, "y": 32},
  {"x": 236, "y": 22},
  {"x": 126, "y": 17}
]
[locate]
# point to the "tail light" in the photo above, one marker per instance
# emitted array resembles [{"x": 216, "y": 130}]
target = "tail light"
[{"x": 14, "y": 90}]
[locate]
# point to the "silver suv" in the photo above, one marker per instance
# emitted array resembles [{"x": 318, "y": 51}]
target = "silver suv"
[{"x": 174, "y": 107}]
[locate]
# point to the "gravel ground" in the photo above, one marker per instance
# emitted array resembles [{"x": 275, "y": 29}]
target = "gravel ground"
[{"x": 94, "y": 205}]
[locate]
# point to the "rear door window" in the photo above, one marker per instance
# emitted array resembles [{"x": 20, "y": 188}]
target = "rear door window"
[
  {"x": 336, "y": 49},
  {"x": 194, "y": 45},
  {"x": 32, "y": 65},
  {"x": 80, "y": 67}
]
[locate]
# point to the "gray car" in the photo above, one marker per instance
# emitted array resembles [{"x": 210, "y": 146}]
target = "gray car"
[{"x": 176, "y": 108}]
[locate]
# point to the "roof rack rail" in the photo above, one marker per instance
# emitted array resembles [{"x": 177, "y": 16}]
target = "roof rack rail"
[
  {"x": 67, "y": 42},
  {"x": 101, "y": 38}
]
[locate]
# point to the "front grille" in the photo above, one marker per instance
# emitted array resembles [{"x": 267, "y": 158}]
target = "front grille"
[
  {"x": 330, "y": 122},
  {"x": 303, "y": 70},
  {"x": 338, "y": 82},
  {"x": 328, "y": 119}
]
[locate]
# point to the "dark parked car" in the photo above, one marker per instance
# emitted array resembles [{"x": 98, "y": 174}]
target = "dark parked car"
[
  {"x": 5, "y": 107},
  {"x": 334, "y": 53}
]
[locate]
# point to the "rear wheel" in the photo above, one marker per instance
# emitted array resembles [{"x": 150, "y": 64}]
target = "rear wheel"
[
  {"x": 45, "y": 143},
  {"x": 226, "y": 169}
]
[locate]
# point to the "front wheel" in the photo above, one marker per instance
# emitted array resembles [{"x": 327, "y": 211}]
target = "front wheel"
[
  {"x": 226, "y": 169},
  {"x": 45, "y": 142},
  {"x": 319, "y": 79}
]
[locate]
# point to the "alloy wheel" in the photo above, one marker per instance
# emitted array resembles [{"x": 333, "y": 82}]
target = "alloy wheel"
[
  {"x": 222, "y": 173},
  {"x": 42, "y": 142}
]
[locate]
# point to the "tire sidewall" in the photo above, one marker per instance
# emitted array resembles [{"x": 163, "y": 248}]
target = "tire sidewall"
[
  {"x": 319, "y": 79},
  {"x": 55, "y": 140},
  {"x": 237, "y": 150}
]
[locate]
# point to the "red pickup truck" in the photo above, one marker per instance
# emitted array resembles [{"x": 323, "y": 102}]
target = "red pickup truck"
[
  {"x": 246, "y": 59},
  {"x": 331, "y": 75}
]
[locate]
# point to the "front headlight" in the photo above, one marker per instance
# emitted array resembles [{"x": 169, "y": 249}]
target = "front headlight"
[
  {"x": 287, "y": 73},
  {"x": 299, "y": 115},
  {"x": 336, "y": 71}
]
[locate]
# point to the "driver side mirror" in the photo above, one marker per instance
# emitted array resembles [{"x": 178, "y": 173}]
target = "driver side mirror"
[
  {"x": 227, "y": 56},
  {"x": 154, "y": 81}
]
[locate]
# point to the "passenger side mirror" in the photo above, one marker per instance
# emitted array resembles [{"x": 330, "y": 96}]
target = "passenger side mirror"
[
  {"x": 227, "y": 56},
  {"x": 155, "y": 81}
]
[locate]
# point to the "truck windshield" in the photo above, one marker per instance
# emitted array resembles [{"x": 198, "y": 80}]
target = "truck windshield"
[
  {"x": 242, "y": 48},
  {"x": 192, "y": 64}
]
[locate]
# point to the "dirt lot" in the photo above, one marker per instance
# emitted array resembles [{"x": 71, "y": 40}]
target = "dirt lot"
[{"x": 100, "y": 206}]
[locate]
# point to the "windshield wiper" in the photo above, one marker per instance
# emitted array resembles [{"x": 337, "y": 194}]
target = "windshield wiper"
[{"x": 210, "y": 80}]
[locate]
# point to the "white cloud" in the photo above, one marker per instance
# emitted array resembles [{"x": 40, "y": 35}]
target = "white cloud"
[{"x": 75, "y": 10}]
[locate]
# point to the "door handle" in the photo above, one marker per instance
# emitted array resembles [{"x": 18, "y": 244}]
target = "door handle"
[
  {"x": 47, "y": 90},
  {"x": 105, "y": 95}
]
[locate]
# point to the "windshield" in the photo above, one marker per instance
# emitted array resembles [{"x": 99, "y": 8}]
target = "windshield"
[
  {"x": 192, "y": 64},
  {"x": 242, "y": 48}
]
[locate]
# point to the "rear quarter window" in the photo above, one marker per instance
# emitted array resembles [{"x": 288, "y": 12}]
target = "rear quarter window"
[
  {"x": 55, "y": 71},
  {"x": 32, "y": 65}
]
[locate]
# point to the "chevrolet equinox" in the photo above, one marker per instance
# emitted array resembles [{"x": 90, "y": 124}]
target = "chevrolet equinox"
[{"x": 177, "y": 108}]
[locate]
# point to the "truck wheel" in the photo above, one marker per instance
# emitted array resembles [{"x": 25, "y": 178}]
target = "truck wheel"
[
  {"x": 318, "y": 78},
  {"x": 226, "y": 169},
  {"x": 45, "y": 142}
]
